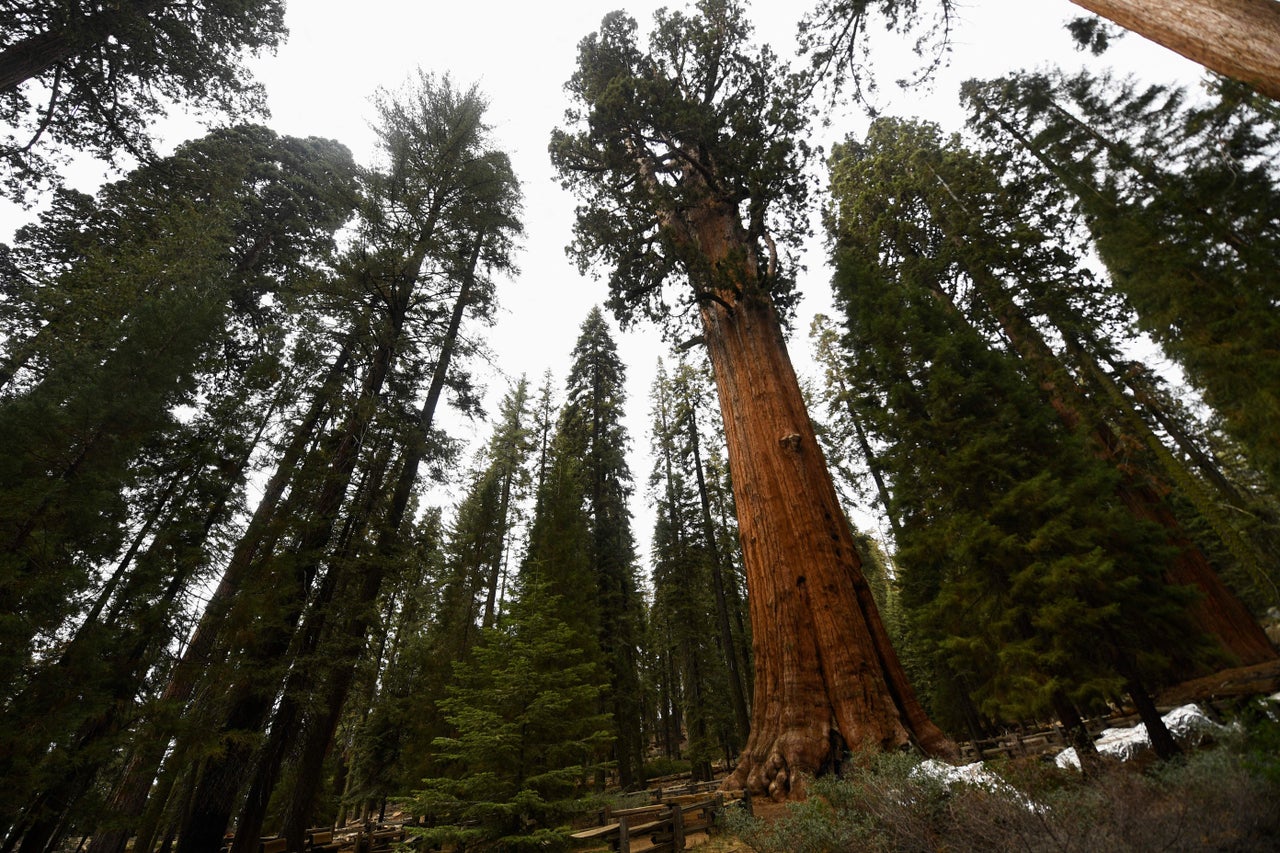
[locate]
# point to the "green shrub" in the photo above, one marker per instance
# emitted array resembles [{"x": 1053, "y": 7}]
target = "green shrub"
[
  {"x": 1216, "y": 799},
  {"x": 663, "y": 766}
]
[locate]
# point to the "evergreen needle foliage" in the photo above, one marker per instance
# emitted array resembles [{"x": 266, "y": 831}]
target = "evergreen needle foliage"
[{"x": 528, "y": 735}]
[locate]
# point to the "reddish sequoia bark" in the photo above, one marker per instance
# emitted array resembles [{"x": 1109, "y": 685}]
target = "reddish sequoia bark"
[
  {"x": 827, "y": 678},
  {"x": 1238, "y": 38}
]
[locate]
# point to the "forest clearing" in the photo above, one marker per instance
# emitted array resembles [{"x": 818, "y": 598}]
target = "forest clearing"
[{"x": 909, "y": 479}]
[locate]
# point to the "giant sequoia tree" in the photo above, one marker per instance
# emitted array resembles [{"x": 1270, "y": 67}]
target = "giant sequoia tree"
[{"x": 689, "y": 162}]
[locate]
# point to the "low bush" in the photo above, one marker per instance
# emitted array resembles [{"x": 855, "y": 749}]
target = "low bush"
[
  {"x": 663, "y": 766},
  {"x": 1222, "y": 798}
]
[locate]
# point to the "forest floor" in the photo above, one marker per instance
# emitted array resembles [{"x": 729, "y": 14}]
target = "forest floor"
[{"x": 1224, "y": 686}]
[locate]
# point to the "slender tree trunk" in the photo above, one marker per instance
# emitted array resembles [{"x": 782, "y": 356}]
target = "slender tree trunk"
[
  {"x": 1246, "y": 552},
  {"x": 1161, "y": 739},
  {"x": 1238, "y": 38},
  {"x": 499, "y": 552},
  {"x": 288, "y": 722},
  {"x": 223, "y": 775},
  {"x": 1262, "y": 536},
  {"x": 351, "y": 630},
  {"x": 737, "y": 693},
  {"x": 1077, "y": 733},
  {"x": 130, "y": 796},
  {"x": 674, "y": 718},
  {"x": 1218, "y": 612},
  {"x": 307, "y": 676}
]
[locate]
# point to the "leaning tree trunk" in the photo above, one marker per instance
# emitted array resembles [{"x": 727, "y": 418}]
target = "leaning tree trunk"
[
  {"x": 1218, "y": 612},
  {"x": 1238, "y": 38},
  {"x": 827, "y": 678}
]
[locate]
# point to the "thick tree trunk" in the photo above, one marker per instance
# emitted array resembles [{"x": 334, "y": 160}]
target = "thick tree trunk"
[
  {"x": 1238, "y": 38},
  {"x": 826, "y": 673},
  {"x": 826, "y": 676},
  {"x": 36, "y": 54}
]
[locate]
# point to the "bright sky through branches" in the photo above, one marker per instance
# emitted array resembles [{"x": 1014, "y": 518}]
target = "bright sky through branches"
[{"x": 520, "y": 54}]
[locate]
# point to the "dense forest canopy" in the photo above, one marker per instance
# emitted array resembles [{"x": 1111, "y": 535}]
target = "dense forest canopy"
[{"x": 288, "y": 536}]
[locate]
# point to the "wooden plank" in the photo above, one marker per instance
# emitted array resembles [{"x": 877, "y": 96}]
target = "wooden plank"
[
  {"x": 273, "y": 845},
  {"x": 654, "y": 809},
  {"x": 596, "y": 832},
  {"x": 613, "y": 828},
  {"x": 385, "y": 838}
]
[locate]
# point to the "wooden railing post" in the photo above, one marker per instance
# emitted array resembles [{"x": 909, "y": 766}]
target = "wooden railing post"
[
  {"x": 677, "y": 827},
  {"x": 624, "y": 838}
]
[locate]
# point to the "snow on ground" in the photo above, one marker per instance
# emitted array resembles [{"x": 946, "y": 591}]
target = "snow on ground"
[
  {"x": 1187, "y": 724},
  {"x": 971, "y": 774}
]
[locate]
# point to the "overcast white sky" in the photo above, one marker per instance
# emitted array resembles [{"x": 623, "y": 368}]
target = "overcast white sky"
[{"x": 520, "y": 55}]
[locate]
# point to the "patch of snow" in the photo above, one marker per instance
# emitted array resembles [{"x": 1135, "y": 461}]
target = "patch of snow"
[
  {"x": 971, "y": 774},
  {"x": 1187, "y": 724}
]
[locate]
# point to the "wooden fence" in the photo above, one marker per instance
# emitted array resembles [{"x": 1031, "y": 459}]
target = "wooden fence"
[{"x": 666, "y": 824}]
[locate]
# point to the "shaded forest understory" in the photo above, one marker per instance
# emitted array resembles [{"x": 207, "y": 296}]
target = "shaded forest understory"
[{"x": 229, "y": 608}]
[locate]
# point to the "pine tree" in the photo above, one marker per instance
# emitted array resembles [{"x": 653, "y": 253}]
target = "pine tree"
[
  {"x": 461, "y": 197},
  {"x": 527, "y": 734},
  {"x": 684, "y": 600},
  {"x": 1178, "y": 199},
  {"x": 385, "y": 740},
  {"x": 983, "y": 471},
  {"x": 591, "y": 432},
  {"x": 179, "y": 299}
]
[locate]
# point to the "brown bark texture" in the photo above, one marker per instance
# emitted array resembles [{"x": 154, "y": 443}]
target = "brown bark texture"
[
  {"x": 1238, "y": 38},
  {"x": 827, "y": 679}
]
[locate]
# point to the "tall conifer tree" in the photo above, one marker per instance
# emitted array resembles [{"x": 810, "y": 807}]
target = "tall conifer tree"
[
  {"x": 979, "y": 462},
  {"x": 1179, "y": 197}
]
